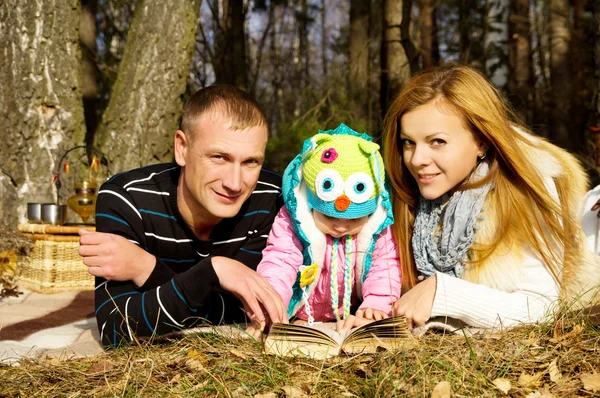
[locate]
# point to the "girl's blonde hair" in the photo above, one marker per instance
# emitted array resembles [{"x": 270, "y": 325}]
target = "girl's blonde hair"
[{"x": 527, "y": 212}]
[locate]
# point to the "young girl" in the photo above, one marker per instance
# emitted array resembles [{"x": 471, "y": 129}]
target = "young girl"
[
  {"x": 331, "y": 247},
  {"x": 489, "y": 211}
]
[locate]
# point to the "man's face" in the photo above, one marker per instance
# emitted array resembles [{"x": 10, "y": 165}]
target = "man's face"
[{"x": 219, "y": 168}]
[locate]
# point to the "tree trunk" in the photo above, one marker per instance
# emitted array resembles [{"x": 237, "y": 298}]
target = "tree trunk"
[
  {"x": 581, "y": 93},
  {"x": 412, "y": 53},
  {"x": 89, "y": 86},
  {"x": 324, "y": 42},
  {"x": 465, "y": 26},
  {"x": 521, "y": 82},
  {"x": 360, "y": 11},
  {"x": 430, "y": 51},
  {"x": 230, "y": 49},
  {"x": 395, "y": 69},
  {"x": 496, "y": 42},
  {"x": 145, "y": 104},
  {"x": 41, "y": 112},
  {"x": 597, "y": 76},
  {"x": 301, "y": 55},
  {"x": 560, "y": 75}
]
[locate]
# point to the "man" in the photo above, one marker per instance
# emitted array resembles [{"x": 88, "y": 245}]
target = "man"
[{"x": 172, "y": 238}]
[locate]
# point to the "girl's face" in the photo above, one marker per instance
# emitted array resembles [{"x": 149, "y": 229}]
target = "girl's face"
[
  {"x": 338, "y": 227},
  {"x": 437, "y": 148}
]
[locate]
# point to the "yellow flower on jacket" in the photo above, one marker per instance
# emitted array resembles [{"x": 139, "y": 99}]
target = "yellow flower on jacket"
[{"x": 308, "y": 275}]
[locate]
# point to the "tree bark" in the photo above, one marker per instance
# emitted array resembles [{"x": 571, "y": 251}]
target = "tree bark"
[
  {"x": 430, "y": 51},
  {"x": 89, "y": 87},
  {"x": 581, "y": 93},
  {"x": 412, "y": 53},
  {"x": 496, "y": 42},
  {"x": 395, "y": 68},
  {"x": 465, "y": 30},
  {"x": 560, "y": 75},
  {"x": 138, "y": 124},
  {"x": 360, "y": 11},
  {"x": 597, "y": 76},
  {"x": 231, "y": 64},
  {"x": 41, "y": 112},
  {"x": 521, "y": 82}
]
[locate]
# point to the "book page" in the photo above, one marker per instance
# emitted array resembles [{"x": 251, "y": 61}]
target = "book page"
[
  {"x": 294, "y": 340},
  {"x": 387, "y": 333}
]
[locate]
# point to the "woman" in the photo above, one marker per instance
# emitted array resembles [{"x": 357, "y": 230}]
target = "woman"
[{"x": 487, "y": 215}]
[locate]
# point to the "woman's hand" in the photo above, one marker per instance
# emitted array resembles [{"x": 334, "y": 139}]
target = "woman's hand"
[{"x": 416, "y": 304}]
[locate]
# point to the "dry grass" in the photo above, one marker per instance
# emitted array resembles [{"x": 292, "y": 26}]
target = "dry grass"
[{"x": 537, "y": 361}]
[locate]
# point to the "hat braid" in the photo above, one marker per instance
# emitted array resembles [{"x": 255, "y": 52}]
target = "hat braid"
[
  {"x": 334, "y": 281},
  {"x": 348, "y": 276}
]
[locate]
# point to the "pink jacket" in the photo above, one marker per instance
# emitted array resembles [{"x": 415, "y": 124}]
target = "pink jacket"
[{"x": 283, "y": 256}]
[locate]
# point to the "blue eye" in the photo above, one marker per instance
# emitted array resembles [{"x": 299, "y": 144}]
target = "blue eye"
[
  {"x": 359, "y": 187},
  {"x": 329, "y": 184}
]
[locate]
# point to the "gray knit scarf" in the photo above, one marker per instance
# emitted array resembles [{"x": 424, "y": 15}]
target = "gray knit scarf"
[{"x": 446, "y": 249}]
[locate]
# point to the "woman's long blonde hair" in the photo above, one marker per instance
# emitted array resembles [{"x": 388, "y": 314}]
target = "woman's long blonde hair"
[{"x": 527, "y": 213}]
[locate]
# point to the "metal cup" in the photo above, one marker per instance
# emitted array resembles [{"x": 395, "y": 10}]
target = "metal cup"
[
  {"x": 34, "y": 213},
  {"x": 54, "y": 214}
]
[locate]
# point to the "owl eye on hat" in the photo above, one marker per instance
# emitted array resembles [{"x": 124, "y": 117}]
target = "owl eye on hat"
[{"x": 340, "y": 175}]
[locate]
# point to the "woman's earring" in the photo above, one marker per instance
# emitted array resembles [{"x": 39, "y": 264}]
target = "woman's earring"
[{"x": 481, "y": 156}]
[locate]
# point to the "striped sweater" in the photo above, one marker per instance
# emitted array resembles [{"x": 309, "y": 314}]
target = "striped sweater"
[{"x": 183, "y": 289}]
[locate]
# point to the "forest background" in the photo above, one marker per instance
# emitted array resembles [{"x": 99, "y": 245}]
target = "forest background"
[{"x": 115, "y": 73}]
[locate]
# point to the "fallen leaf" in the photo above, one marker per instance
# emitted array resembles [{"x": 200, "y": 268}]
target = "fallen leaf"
[
  {"x": 591, "y": 381},
  {"x": 347, "y": 394},
  {"x": 543, "y": 393},
  {"x": 554, "y": 372},
  {"x": 526, "y": 380},
  {"x": 293, "y": 392},
  {"x": 399, "y": 384},
  {"x": 175, "y": 378},
  {"x": 238, "y": 353},
  {"x": 192, "y": 353},
  {"x": 194, "y": 364},
  {"x": 100, "y": 367},
  {"x": 502, "y": 384},
  {"x": 266, "y": 395},
  {"x": 442, "y": 390}
]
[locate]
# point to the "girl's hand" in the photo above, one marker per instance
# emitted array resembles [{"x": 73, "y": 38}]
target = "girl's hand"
[
  {"x": 350, "y": 323},
  {"x": 416, "y": 304},
  {"x": 372, "y": 314}
]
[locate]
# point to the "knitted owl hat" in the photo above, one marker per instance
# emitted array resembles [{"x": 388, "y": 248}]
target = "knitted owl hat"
[
  {"x": 340, "y": 174},
  {"x": 344, "y": 174}
]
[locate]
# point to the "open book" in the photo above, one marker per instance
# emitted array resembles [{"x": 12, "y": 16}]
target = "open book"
[{"x": 321, "y": 340}]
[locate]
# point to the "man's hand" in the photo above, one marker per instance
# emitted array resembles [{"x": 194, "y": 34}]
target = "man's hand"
[
  {"x": 416, "y": 304},
  {"x": 372, "y": 314},
  {"x": 253, "y": 290},
  {"x": 113, "y": 257}
]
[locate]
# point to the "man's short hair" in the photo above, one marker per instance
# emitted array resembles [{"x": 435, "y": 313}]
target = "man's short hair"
[{"x": 228, "y": 102}]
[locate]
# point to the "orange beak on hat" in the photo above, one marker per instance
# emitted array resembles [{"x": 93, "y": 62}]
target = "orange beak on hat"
[{"x": 342, "y": 203}]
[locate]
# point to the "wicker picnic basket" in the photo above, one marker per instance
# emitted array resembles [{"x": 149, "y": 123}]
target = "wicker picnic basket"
[{"x": 54, "y": 264}]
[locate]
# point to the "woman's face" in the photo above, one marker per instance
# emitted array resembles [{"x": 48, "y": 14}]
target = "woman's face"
[{"x": 437, "y": 148}]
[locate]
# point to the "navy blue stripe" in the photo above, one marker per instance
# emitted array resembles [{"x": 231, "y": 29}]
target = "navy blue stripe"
[
  {"x": 114, "y": 335},
  {"x": 112, "y": 298},
  {"x": 192, "y": 260},
  {"x": 112, "y": 218},
  {"x": 144, "y": 314},
  {"x": 257, "y": 212},
  {"x": 249, "y": 251},
  {"x": 155, "y": 213},
  {"x": 181, "y": 297}
]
